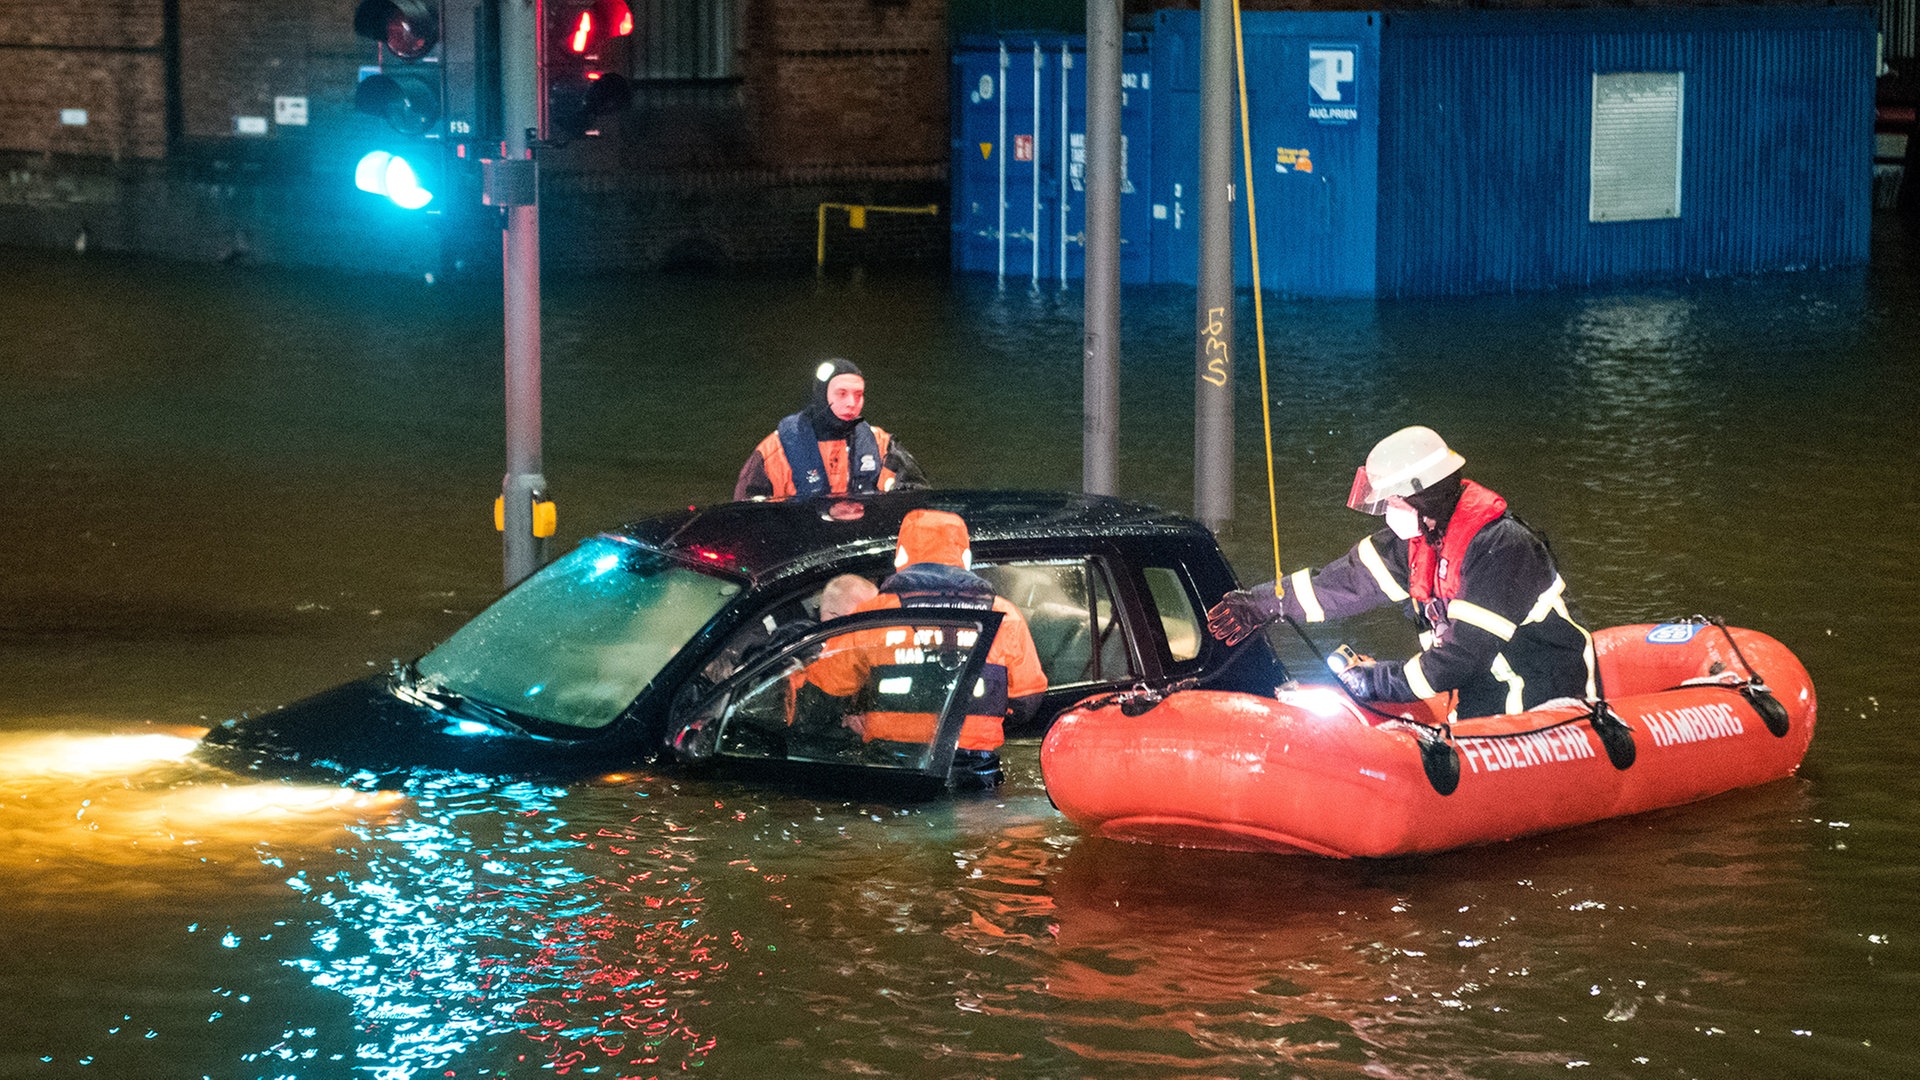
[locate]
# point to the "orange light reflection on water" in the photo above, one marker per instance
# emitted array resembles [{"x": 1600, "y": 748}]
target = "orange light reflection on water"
[{"x": 118, "y": 798}]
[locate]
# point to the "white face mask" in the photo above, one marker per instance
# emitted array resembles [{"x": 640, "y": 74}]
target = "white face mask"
[{"x": 1404, "y": 521}]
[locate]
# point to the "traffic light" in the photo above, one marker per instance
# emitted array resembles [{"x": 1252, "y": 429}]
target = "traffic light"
[
  {"x": 406, "y": 88},
  {"x": 585, "y": 53},
  {"x": 383, "y": 172}
]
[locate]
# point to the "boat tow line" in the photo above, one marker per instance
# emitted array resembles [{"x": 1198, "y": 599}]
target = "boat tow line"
[{"x": 1139, "y": 699}]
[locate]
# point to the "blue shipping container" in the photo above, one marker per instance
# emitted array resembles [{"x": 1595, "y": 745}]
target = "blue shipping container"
[
  {"x": 1448, "y": 152},
  {"x": 1019, "y": 157},
  {"x": 1494, "y": 161}
]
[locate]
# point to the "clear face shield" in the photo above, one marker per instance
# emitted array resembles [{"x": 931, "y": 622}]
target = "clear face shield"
[{"x": 1361, "y": 497}]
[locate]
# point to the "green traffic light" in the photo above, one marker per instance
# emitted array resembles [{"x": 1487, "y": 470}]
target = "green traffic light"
[{"x": 383, "y": 173}]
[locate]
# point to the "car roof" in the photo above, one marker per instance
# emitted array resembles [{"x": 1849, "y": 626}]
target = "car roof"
[{"x": 768, "y": 539}]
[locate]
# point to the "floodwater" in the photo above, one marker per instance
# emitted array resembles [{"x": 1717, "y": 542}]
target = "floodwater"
[{"x": 228, "y": 487}]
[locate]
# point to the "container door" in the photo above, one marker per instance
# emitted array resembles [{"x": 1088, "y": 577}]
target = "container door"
[
  {"x": 1136, "y": 161},
  {"x": 979, "y": 96},
  {"x": 1313, "y": 91}
]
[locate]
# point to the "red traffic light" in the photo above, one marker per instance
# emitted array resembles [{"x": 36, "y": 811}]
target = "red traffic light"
[
  {"x": 409, "y": 29},
  {"x": 585, "y": 71},
  {"x": 580, "y": 27}
]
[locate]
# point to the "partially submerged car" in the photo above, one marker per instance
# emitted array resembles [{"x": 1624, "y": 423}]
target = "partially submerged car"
[{"x": 688, "y": 636}]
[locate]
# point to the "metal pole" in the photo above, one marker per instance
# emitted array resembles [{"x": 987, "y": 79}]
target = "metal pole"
[
  {"x": 1213, "y": 331},
  {"x": 1001, "y": 148},
  {"x": 1066, "y": 64},
  {"x": 1100, "y": 375},
  {"x": 1036, "y": 164},
  {"x": 522, "y": 106}
]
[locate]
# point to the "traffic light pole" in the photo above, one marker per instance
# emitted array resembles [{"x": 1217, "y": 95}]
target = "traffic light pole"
[{"x": 513, "y": 183}]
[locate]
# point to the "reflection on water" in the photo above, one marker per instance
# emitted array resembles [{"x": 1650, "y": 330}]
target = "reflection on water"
[
  {"x": 248, "y": 485},
  {"x": 66, "y": 754},
  {"x": 1207, "y": 963},
  {"x": 486, "y": 914}
]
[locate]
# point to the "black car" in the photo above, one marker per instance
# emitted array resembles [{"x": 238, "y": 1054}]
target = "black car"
[{"x": 689, "y": 636}]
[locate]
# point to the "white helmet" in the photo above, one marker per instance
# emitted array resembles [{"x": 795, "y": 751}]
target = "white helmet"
[{"x": 1408, "y": 461}]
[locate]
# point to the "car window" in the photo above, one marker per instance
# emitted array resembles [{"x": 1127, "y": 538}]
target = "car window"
[
  {"x": 1178, "y": 616},
  {"x": 576, "y": 643},
  {"x": 1070, "y": 610},
  {"x": 779, "y": 624},
  {"x": 775, "y": 625},
  {"x": 889, "y": 692}
]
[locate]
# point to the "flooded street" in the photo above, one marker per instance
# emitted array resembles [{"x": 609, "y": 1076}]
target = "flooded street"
[{"x": 230, "y": 487}]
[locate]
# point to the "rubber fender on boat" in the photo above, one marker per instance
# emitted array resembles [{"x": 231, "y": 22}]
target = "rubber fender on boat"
[
  {"x": 1772, "y": 713},
  {"x": 1616, "y": 738},
  {"x": 1441, "y": 762}
]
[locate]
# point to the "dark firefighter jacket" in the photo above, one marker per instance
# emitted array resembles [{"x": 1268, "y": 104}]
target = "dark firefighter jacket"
[{"x": 1490, "y": 604}]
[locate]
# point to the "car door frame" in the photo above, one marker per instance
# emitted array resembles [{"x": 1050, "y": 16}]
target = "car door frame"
[{"x": 719, "y": 699}]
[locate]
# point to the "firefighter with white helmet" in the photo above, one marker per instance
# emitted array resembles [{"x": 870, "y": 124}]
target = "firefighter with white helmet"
[{"x": 1494, "y": 618}]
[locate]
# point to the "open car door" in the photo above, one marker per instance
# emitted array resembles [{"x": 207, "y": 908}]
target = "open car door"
[{"x": 875, "y": 700}]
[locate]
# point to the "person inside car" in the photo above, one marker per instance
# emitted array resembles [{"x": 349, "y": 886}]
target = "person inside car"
[{"x": 933, "y": 559}]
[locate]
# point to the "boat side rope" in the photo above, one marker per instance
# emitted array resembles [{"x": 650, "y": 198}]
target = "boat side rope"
[{"x": 1139, "y": 699}]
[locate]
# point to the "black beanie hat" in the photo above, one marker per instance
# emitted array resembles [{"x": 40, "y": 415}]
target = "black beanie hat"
[{"x": 1437, "y": 502}]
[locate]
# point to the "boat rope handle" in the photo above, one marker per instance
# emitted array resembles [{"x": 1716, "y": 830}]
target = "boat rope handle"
[
  {"x": 1259, "y": 307},
  {"x": 1140, "y": 698},
  {"x": 1754, "y": 688},
  {"x": 1727, "y": 632}
]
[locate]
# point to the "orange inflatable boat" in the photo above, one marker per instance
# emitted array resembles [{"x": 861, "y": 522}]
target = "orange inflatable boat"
[{"x": 1692, "y": 709}]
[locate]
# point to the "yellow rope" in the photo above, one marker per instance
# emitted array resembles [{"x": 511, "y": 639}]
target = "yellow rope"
[{"x": 1259, "y": 309}]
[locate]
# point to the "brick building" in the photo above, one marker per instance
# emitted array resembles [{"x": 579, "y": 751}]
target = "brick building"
[{"x": 218, "y": 129}]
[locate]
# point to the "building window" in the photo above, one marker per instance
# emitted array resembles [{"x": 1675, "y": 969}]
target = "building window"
[
  {"x": 1637, "y": 125},
  {"x": 685, "y": 41}
]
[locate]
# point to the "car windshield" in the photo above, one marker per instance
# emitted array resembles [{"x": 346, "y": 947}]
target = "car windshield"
[{"x": 576, "y": 643}]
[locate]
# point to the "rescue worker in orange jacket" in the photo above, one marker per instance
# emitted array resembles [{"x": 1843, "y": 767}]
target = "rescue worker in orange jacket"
[
  {"x": 827, "y": 448},
  {"x": 932, "y": 569},
  {"x": 1481, "y": 585}
]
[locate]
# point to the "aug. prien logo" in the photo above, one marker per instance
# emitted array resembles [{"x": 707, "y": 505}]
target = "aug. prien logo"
[{"x": 1330, "y": 77}]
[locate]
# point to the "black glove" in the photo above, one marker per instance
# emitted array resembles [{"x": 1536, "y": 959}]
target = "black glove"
[
  {"x": 1358, "y": 677},
  {"x": 1372, "y": 680},
  {"x": 1238, "y": 614}
]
